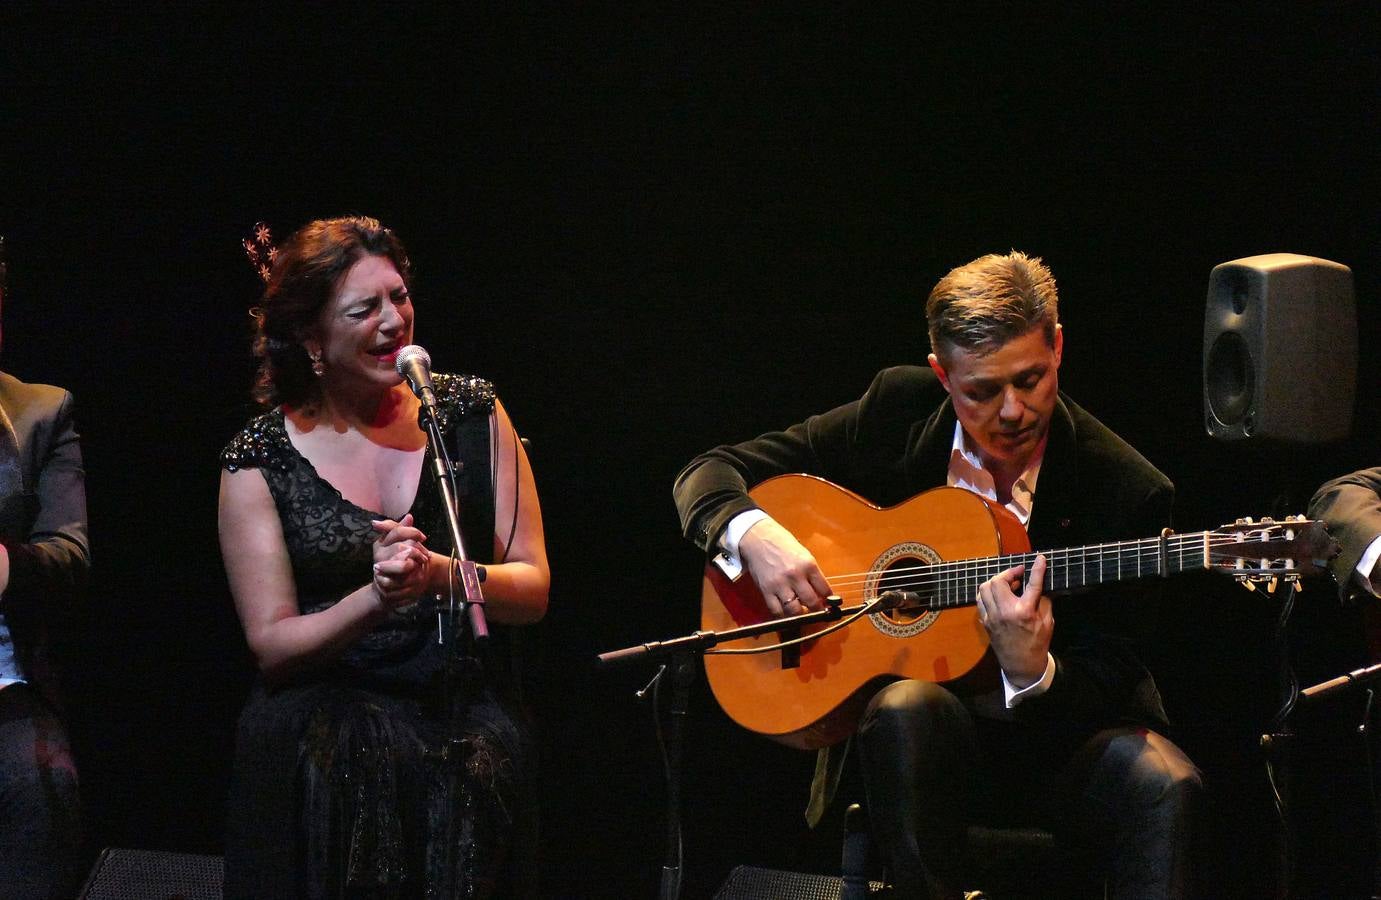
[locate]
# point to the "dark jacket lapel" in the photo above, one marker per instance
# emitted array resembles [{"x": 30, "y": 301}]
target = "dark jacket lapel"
[{"x": 928, "y": 462}]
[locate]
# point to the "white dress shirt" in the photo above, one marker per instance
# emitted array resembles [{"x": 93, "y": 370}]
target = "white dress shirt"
[{"x": 1367, "y": 565}]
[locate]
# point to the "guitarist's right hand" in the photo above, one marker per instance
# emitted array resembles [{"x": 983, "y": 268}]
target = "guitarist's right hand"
[{"x": 784, "y": 571}]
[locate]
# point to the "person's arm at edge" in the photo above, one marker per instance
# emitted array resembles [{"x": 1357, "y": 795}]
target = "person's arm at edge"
[
  {"x": 1350, "y": 506},
  {"x": 54, "y": 560}
]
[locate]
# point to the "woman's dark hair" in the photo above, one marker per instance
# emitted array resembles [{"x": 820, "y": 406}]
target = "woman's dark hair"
[{"x": 305, "y": 272}]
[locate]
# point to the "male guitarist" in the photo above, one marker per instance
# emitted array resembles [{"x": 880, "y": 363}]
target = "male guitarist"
[{"x": 1068, "y": 740}]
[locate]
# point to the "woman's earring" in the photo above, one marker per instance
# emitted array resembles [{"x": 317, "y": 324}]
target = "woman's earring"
[{"x": 317, "y": 367}]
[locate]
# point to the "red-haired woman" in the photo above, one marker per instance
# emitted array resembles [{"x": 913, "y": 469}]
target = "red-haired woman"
[{"x": 361, "y": 769}]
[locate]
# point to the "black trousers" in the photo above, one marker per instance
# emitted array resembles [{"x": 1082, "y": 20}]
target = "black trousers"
[
  {"x": 40, "y": 832},
  {"x": 931, "y": 768}
]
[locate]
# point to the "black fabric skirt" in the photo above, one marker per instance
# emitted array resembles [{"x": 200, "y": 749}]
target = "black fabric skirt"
[{"x": 344, "y": 789}]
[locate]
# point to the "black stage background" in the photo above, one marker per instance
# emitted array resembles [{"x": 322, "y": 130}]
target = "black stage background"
[{"x": 656, "y": 231}]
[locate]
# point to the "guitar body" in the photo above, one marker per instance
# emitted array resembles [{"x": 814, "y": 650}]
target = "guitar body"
[{"x": 813, "y": 695}]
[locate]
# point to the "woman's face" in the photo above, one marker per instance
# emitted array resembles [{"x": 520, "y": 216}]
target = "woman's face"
[{"x": 366, "y": 323}]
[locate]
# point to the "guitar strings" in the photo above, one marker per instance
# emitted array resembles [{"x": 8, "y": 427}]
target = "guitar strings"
[
  {"x": 1056, "y": 562},
  {"x": 1060, "y": 574},
  {"x": 1146, "y": 548},
  {"x": 1190, "y": 551}
]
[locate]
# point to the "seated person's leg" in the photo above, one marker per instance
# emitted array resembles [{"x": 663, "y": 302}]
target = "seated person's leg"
[
  {"x": 40, "y": 836},
  {"x": 1132, "y": 793},
  {"x": 917, "y": 746}
]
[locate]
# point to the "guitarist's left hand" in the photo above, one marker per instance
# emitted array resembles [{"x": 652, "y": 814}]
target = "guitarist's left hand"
[{"x": 1019, "y": 625}]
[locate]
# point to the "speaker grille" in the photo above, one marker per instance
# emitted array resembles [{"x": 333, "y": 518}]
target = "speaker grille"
[
  {"x": 1231, "y": 381},
  {"x": 122, "y": 874},
  {"x": 751, "y": 883}
]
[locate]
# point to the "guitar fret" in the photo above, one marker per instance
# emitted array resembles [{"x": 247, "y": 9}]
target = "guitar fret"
[{"x": 955, "y": 584}]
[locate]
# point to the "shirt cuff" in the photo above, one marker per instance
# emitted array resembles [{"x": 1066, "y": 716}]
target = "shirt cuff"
[
  {"x": 733, "y": 532},
  {"x": 1367, "y": 564},
  {"x": 1035, "y": 689}
]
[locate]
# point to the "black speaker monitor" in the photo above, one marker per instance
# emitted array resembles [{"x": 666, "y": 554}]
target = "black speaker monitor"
[
  {"x": 121, "y": 874},
  {"x": 1280, "y": 349}
]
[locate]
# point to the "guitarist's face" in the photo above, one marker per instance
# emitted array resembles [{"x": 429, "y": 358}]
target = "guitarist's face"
[{"x": 1004, "y": 398}]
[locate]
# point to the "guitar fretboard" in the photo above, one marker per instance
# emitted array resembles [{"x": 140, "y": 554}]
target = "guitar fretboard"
[{"x": 952, "y": 584}]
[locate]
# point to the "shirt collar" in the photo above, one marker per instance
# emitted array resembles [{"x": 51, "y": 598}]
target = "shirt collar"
[{"x": 966, "y": 471}]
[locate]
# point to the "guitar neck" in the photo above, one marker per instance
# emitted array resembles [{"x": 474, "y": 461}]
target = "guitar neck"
[{"x": 953, "y": 584}]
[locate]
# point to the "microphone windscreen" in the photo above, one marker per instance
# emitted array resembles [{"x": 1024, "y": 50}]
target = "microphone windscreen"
[{"x": 410, "y": 355}]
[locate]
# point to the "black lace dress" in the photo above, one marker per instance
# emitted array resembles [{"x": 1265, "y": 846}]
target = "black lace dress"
[{"x": 378, "y": 776}]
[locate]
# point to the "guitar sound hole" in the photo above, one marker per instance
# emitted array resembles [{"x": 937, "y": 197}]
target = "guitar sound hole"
[
  {"x": 901, "y": 567},
  {"x": 899, "y": 574}
]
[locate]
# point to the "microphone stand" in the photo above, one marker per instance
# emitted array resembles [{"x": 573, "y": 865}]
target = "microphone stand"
[
  {"x": 452, "y": 755},
  {"x": 1360, "y": 678},
  {"x": 469, "y": 574},
  {"x": 682, "y": 651}
]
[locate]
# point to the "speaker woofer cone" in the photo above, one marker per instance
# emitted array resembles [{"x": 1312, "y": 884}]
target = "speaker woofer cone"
[{"x": 1231, "y": 379}]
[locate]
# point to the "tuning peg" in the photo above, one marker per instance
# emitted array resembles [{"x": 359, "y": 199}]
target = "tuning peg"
[{"x": 1271, "y": 584}]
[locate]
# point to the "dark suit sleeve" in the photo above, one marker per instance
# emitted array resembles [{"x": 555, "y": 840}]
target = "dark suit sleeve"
[
  {"x": 53, "y": 560},
  {"x": 1351, "y": 508},
  {"x": 861, "y": 446},
  {"x": 713, "y": 488}
]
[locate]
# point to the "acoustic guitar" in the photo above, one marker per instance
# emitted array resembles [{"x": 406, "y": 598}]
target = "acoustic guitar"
[{"x": 938, "y": 547}]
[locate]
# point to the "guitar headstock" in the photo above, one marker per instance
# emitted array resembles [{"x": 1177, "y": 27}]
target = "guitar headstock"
[{"x": 1267, "y": 551}]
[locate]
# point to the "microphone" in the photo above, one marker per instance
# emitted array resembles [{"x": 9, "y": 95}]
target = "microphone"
[
  {"x": 414, "y": 364},
  {"x": 895, "y": 599}
]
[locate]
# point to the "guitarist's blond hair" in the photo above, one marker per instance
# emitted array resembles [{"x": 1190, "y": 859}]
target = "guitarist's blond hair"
[{"x": 982, "y": 305}]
